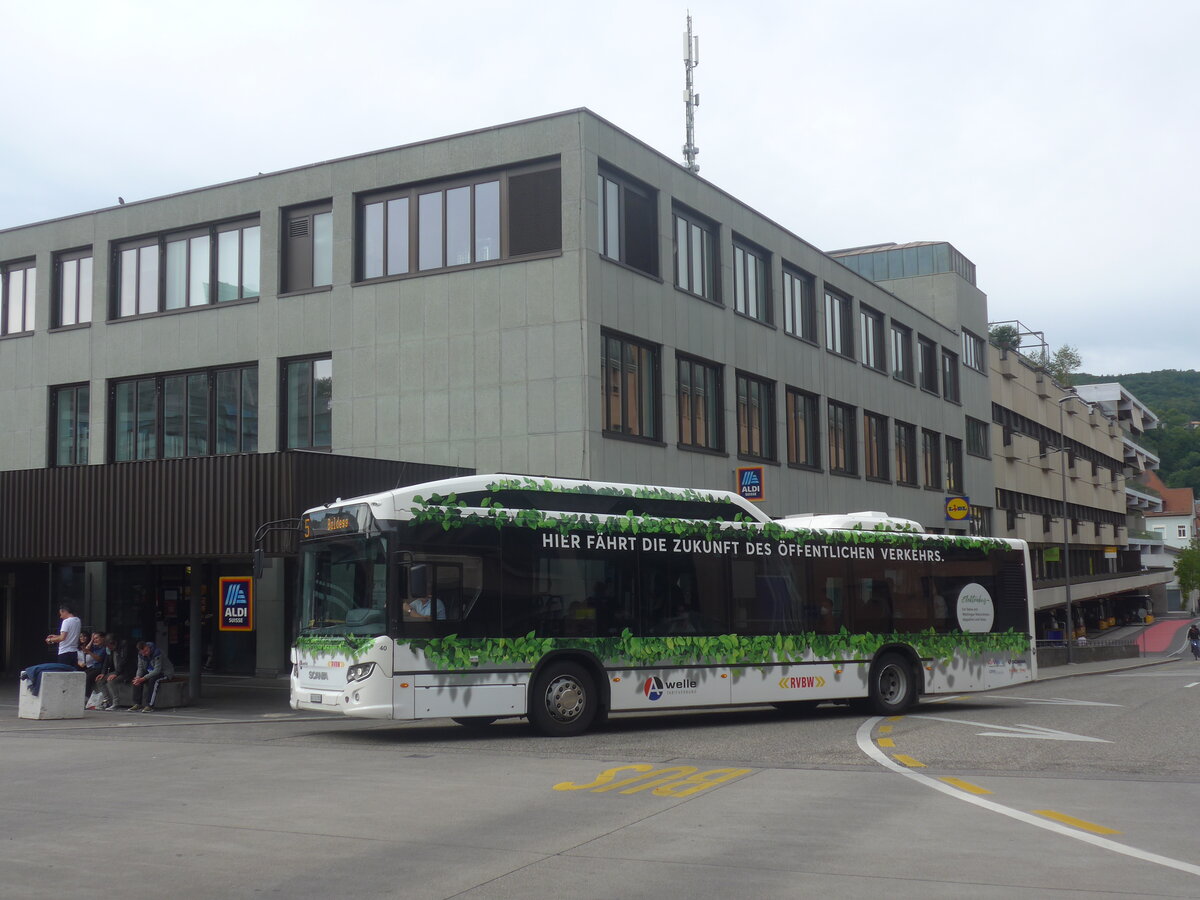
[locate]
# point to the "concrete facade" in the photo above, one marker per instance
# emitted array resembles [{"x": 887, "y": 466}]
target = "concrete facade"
[{"x": 498, "y": 365}]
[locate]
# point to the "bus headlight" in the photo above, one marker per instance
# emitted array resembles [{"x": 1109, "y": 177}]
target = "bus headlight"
[{"x": 359, "y": 672}]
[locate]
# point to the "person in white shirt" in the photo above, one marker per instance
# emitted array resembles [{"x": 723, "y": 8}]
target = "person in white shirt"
[{"x": 68, "y": 637}]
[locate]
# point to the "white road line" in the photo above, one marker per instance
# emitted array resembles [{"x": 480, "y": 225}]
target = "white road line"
[{"x": 868, "y": 747}]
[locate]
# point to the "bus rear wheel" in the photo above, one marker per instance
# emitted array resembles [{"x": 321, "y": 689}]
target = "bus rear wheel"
[
  {"x": 893, "y": 688},
  {"x": 563, "y": 701}
]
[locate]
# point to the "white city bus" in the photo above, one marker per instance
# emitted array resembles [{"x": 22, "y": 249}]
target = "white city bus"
[{"x": 494, "y": 596}]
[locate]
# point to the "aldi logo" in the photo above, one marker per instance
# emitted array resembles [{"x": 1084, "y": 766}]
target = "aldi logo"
[{"x": 751, "y": 484}]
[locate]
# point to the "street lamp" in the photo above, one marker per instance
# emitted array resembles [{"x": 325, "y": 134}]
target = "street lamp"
[{"x": 1062, "y": 452}]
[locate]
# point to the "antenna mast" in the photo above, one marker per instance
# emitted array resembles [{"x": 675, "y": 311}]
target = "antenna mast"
[{"x": 691, "y": 59}]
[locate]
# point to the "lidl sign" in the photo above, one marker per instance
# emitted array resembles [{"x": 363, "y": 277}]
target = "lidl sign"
[
  {"x": 237, "y": 604},
  {"x": 957, "y": 508},
  {"x": 751, "y": 484}
]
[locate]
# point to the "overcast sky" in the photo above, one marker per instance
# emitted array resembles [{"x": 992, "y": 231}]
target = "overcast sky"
[{"x": 1054, "y": 142}]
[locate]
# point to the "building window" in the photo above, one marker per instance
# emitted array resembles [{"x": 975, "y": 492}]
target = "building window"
[
  {"x": 18, "y": 286},
  {"x": 843, "y": 441},
  {"x": 631, "y": 387},
  {"x": 307, "y": 247},
  {"x": 978, "y": 438},
  {"x": 974, "y": 352},
  {"x": 931, "y": 453},
  {"x": 70, "y": 414},
  {"x": 628, "y": 221},
  {"x": 871, "y": 335},
  {"x": 875, "y": 446},
  {"x": 839, "y": 324},
  {"x": 180, "y": 270},
  {"x": 1181, "y": 531},
  {"x": 799, "y": 304},
  {"x": 73, "y": 288},
  {"x": 700, "y": 406},
  {"x": 751, "y": 281},
  {"x": 902, "y": 353},
  {"x": 950, "y": 386},
  {"x": 696, "y": 264},
  {"x": 906, "y": 453},
  {"x": 308, "y": 404},
  {"x": 467, "y": 221},
  {"x": 755, "y": 417},
  {"x": 927, "y": 365},
  {"x": 954, "y": 465},
  {"x": 803, "y": 429},
  {"x": 185, "y": 414}
]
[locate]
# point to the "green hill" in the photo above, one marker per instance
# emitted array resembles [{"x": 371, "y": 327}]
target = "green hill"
[{"x": 1174, "y": 396}]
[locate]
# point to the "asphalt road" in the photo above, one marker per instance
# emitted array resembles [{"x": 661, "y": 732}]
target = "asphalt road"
[{"x": 1079, "y": 787}]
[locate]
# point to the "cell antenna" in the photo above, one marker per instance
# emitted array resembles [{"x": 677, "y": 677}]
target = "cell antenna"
[{"x": 691, "y": 59}]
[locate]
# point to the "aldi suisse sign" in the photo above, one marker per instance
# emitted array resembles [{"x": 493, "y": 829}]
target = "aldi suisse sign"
[
  {"x": 750, "y": 483},
  {"x": 237, "y": 604}
]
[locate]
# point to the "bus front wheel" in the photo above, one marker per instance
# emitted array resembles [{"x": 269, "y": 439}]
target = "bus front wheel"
[
  {"x": 893, "y": 688},
  {"x": 563, "y": 701}
]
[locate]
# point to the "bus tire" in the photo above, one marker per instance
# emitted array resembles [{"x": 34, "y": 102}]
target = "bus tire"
[
  {"x": 564, "y": 700},
  {"x": 474, "y": 721},
  {"x": 893, "y": 688}
]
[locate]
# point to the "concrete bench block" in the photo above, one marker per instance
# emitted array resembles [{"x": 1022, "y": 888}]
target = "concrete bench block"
[
  {"x": 171, "y": 693},
  {"x": 60, "y": 696}
]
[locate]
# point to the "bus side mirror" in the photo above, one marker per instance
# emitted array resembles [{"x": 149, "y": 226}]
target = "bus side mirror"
[
  {"x": 258, "y": 563},
  {"x": 418, "y": 581}
]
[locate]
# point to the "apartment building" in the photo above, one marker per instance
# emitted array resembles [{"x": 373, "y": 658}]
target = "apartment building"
[{"x": 549, "y": 296}]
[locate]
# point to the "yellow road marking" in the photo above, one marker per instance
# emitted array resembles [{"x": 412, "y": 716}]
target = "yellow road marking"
[
  {"x": 895, "y": 718},
  {"x": 966, "y": 786},
  {"x": 1075, "y": 823},
  {"x": 885, "y": 729},
  {"x": 907, "y": 761},
  {"x": 886, "y": 742}
]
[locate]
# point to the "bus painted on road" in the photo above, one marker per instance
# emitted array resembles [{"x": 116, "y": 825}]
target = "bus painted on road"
[{"x": 494, "y": 596}]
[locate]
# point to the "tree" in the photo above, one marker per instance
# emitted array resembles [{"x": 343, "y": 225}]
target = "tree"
[
  {"x": 1006, "y": 337},
  {"x": 1187, "y": 571},
  {"x": 1061, "y": 364}
]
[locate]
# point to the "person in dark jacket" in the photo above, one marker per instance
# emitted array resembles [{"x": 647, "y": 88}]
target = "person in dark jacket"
[
  {"x": 117, "y": 669},
  {"x": 152, "y": 666}
]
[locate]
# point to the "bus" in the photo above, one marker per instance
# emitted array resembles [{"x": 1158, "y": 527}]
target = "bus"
[{"x": 485, "y": 597}]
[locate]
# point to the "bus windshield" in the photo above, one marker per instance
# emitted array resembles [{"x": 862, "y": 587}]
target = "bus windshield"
[{"x": 343, "y": 586}]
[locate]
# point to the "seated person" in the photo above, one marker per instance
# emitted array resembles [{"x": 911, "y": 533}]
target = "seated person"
[
  {"x": 117, "y": 669},
  {"x": 421, "y": 609},
  {"x": 93, "y": 659},
  {"x": 152, "y": 666}
]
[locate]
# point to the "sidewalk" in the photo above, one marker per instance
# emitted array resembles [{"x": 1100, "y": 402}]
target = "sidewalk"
[{"x": 1158, "y": 643}]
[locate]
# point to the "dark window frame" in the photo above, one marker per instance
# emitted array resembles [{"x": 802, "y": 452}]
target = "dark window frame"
[
  {"x": 951, "y": 377},
  {"x": 631, "y": 421},
  {"x": 713, "y": 439},
  {"x": 839, "y": 323},
  {"x": 312, "y": 432},
  {"x": 903, "y": 361},
  {"x": 80, "y": 439},
  {"x": 800, "y": 313},
  {"x": 298, "y": 260},
  {"x": 763, "y": 306},
  {"x": 754, "y": 391},
  {"x": 954, "y": 466},
  {"x": 876, "y": 447},
  {"x": 874, "y": 348},
  {"x": 77, "y": 301},
  {"x": 931, "y": 459},
  {"x": 157, "y": 245},
  {"x": 979, "y": 439},
  {"x": 687, "y": 267},
  {"x": 247, "y": 439},
  {"x": 906, "y": 454},
  {"x": 974, "y": 351},
  {"x": 635, "y": 200},
  {"x": 842, "y": 429},
  {"x": 797, "y": 401},
  {"x": 28, "y": 301},
  {"x": 928, "y": 372}
]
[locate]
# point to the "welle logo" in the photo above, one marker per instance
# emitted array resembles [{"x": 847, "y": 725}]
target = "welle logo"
[{"x": 655, "y": 688}]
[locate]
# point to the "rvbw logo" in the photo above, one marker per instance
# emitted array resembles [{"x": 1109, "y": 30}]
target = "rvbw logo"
[{"x": 654, "y": 688}]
